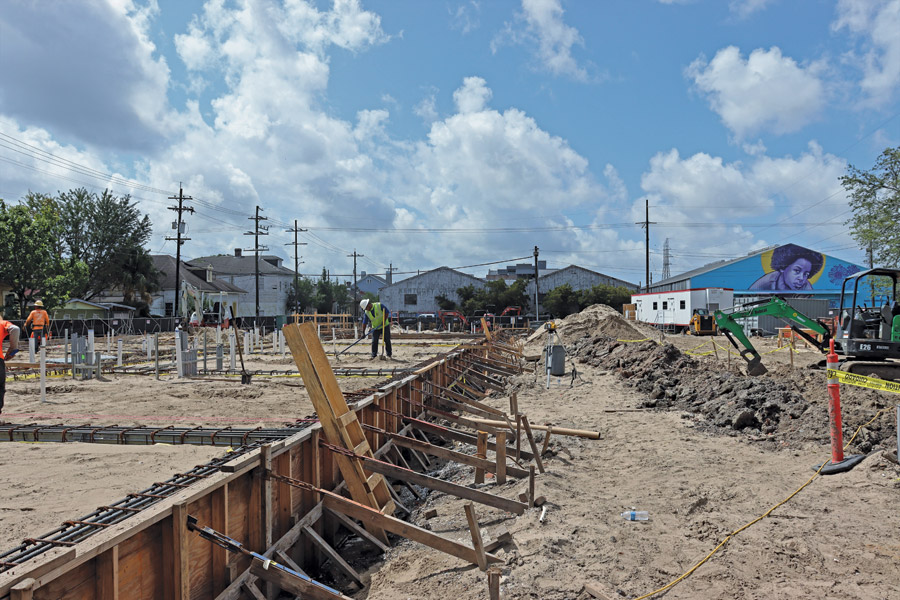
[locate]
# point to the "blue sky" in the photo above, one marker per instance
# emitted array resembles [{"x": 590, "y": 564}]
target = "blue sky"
[{"x": 459, "y": 132}]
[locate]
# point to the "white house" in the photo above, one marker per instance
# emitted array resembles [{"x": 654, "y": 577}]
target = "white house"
[
  {"x": 163, "y": 302},
  {"x": 418, "y": 294},
  {"x": 275, "y": 280}
]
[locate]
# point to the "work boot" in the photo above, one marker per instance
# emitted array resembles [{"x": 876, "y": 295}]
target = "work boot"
[{"x": 374, "y": 356}]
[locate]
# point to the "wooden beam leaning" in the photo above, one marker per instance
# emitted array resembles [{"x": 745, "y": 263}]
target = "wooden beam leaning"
[
  {"x": 475, "y": 529},
  {"x": 336, "y": 559},
  {"x": 404, "y": 529},
  {"x": 389, "y": 470},
  {"x": 459, "y": 436},
  {"x": 453, "y": 455},
  {"x": 338, "y": 421}
]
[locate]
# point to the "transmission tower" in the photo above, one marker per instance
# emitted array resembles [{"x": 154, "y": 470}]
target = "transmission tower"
[{"x": 665, "y": 273}]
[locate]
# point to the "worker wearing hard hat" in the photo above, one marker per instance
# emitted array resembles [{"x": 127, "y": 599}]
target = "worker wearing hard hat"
[
  {"x": 378, "y": 317},
  {"x": 39, "y": 321},
  {"x": 12, "y": 331}
]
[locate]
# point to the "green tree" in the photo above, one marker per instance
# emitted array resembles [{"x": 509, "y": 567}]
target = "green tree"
[
  {"x": 303, "y": 296},
  {"x": 875, "y": 200},
  {"x": 139, "y": 279},
  {"x": 561, "y": 301},
  {"x": 105, "y": 232},
  {"x": 27, "y": 234},
  {"x": 324, "y": 293},
  {"x": 445, "y": 303}
]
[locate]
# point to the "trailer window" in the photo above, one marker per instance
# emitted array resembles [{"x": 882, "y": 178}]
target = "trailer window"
[
  {"x": 665, "y": 305},
  {"x": 654, "y": 306},
  {"x": 681, "y": 305}
]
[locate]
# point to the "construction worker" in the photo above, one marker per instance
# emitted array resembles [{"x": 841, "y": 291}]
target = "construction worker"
[
  {"x": 6, "y": 329},
  {"x": 40, "y": 322},
  {"x": 378, "y": 317}
]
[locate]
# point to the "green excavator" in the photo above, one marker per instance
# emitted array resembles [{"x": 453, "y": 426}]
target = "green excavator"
[{"x": 868, "y": 339}]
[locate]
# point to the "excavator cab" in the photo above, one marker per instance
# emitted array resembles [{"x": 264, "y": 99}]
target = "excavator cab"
[{"x": 866, "y": 332}]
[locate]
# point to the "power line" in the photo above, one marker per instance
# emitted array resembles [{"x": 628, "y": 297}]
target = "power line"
[{"x": 179, "y": 229}]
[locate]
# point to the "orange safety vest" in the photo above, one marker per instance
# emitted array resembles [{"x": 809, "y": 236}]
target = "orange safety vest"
[{"x": 38, "y": 318}]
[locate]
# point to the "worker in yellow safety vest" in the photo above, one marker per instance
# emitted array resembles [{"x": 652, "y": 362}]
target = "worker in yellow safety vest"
[
  {"x": 39, "y": 321},
  {"x": 378, "y": 317},
  {"x": 12, "y": 331}
]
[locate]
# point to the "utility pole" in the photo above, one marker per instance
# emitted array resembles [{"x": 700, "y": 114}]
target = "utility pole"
[
  {"x": 178, "y": 226},
  {"x": 355, "y": 289},
  {"x": 646, "y": 223},
  {"x": 537, "y": 310},
  {"x": 258, "y": 230},
  {"x": 297, "y": 264},
  {"x": 390, "y": 273}
]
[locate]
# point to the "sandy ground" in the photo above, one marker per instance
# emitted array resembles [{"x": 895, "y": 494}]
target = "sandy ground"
[{"x": 699, "y": 480}]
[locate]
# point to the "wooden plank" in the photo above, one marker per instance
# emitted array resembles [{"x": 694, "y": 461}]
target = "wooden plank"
[
  {"x": 358, "y": 530},
  {"x": 336, "y": 559},
  {"x": 476, "y": 536},
  {"x": 404, "y": 529},
  {"x": 284, "y": 559},
  {"x": 481, "y": 452},
  {"x": 501, "y": 457},
  {"x": 459, "y": 436},
  {"x": 219, "y": 522},
  {"x": 473, "y": 423},
  {"x": 453, "y": 455},
  {"x": 534, "y": 450},
  {"x": 250, "y": 588},
  {"x": 107, "y": 575},
  {"x": 591, "y": 435},
  {"x": 460, "y": 491},
  {"x": 328, "y": 400},
  {"x": 546, "y": 440},
  {"x": 295, "y": 584},
  {"x": 23, "y": 590},
  {"x": 181, "y": 563}
]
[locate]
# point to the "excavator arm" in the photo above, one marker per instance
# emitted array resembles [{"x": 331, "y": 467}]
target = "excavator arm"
[{"x": 776, "y": 307}]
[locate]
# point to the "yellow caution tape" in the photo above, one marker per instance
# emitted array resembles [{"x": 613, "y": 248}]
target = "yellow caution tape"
[
  {"x": 872, "y": 383},
  {"x": 634, "y": 341}
]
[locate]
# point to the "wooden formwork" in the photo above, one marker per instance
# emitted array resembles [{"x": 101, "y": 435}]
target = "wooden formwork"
[{"x": 153, "y": 555}]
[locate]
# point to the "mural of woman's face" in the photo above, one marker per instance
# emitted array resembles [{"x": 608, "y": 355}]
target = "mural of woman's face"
[{"x": 796, "y": 274}]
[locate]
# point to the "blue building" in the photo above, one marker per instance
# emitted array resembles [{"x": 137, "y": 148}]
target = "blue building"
[{"x": 788, "y": 270}]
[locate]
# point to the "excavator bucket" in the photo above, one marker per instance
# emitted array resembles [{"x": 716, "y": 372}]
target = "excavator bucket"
[{"x": 755, "y": 367}]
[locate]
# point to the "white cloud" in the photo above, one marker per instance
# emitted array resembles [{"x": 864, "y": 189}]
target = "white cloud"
[
  {"x": 427, "y": 109},
  {"x": 544, "y": 28},
  {"x": 466, "y": 17},
  {"x": 767, "y": 91},
  {"x": 472, "y": 96},
  {"x": 98, "y": 82},
  {"x": 745, "y": 8},
  {"x": 878, "y": 23}
]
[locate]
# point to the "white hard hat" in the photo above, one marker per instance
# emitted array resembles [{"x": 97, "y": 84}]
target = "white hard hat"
[{"x": 364, "y": 303}]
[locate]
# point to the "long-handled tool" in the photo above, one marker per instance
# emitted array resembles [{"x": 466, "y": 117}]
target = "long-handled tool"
[
  {"x": 245, "y": 376},
  {"x": 338, "y": 354}
]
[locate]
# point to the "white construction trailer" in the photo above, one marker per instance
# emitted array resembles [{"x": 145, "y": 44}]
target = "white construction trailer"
[{"x": 673, "y": 310}]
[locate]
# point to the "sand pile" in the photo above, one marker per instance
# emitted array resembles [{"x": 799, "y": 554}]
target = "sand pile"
[{"x": 593, "y": 320}]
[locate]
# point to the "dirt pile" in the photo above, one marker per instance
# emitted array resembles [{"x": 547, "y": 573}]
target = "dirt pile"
[
  {"x": 785, "y": 405},
  {"x": 593, "y": 320}
]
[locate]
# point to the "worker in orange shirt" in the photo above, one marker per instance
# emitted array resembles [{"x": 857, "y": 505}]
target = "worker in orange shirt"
[
  {"x": 40, "y": 322},
  {"x": 6, "y": 329}
]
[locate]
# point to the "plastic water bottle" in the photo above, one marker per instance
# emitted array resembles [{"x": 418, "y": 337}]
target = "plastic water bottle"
[{"x": 636, "y": 515}]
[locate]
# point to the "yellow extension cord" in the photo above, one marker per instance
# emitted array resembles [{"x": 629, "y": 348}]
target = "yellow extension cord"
[{"x": 687, "y": 573}]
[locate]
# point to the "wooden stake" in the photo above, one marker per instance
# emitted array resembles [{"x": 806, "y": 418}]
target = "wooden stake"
[
  {"x": 493, "y": 577},
  {"x": 546, "y": 440},
  {"x": 501, "y": 457},
  {"x": 530, "y": 486},
  {"x": 476, "y": 536},
  {"x": 791, "y": 350},
  {"x": 481, "y": 452},
  {"x": 534, "y": 449},
  {"x": 518, "y": 436}
]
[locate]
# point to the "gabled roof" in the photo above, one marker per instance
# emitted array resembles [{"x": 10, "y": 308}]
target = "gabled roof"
[
  {"x": 101, "y": 305},
  {"x": 431, "y": 272},
  {"x": 165, "y": 264},
  {"x": 559, "y": 271},
  {"x": 377, "y": 278},
  {"x": 227, "y": 264}
]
